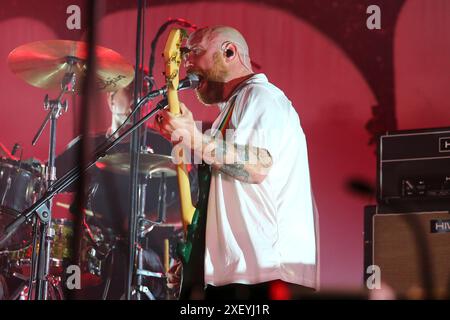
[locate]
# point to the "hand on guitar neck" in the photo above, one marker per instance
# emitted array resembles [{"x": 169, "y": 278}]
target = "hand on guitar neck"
[
  {"x": 242, "y": 162},
  {"x": 180, "y": 127}
]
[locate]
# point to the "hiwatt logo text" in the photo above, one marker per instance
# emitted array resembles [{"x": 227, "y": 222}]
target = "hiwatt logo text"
[{"x": 440, "y": 226}]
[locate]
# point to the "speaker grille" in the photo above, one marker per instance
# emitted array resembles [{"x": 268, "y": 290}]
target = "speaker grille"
[{"x": 410, "y": 254}]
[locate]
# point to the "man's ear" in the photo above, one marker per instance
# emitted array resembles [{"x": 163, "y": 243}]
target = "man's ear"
[{"x": 229, "y": 51}]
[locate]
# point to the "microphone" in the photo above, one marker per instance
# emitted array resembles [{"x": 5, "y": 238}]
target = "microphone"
[{"x": 190, "y": 82}]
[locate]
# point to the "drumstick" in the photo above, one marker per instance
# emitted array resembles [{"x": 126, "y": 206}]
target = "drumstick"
[
  {"x": 67, "y": 206},
  {"x": 166, "y": 255},
  {"x": 5, "y": 152}
]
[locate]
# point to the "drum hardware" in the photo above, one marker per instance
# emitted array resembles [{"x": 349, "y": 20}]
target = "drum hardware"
[
  {"x": 96, "y": 249},
  {"x": 140, "y": 272},
  {"x": 40, "y": 266},
  {"x": 145, "y": 226},
  {"x": 151, "y": 274},
  {"x": 109, "y": 273},
  {"x": 140, "y": 288},
  {"x": 40, "y": 206},
  {"x": 50, "y": 65},
  {"x": 28, "y": 63},
  {"x": 40, "y": 211},
  {"x": 135, "y": 149}
]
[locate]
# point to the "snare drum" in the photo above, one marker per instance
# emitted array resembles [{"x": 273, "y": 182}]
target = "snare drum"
[
  {"x": 62, "y": 246},
  {"x": 20, "y": 186},
  {"x": 60, "y": 253}
]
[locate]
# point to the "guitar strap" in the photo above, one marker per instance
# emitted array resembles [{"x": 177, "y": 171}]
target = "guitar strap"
[
  {"x": 193, "y": 271},
  {"x": 226, "y": 120}
]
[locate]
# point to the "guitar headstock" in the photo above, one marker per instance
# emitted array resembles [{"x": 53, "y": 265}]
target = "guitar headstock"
[{"x": 172, "y": 57}]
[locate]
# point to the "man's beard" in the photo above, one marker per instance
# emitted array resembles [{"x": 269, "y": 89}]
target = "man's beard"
[{"x": 211, "y": 90}]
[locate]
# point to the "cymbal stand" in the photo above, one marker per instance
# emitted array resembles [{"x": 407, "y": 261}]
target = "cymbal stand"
[
  {"x": 140, "y": 288},
  {"x": 40, "y": 268},
  {"x": 145, "y": 226}
]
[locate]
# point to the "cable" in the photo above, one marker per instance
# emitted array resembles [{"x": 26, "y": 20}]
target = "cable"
[{"x": 143, "y": 130}]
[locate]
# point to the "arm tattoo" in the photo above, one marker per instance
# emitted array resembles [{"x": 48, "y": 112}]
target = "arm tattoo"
[
  {"x": 264, "y": 158},
  {"x": 242, "y": 162},
  {"x": 237, "y": 171}
]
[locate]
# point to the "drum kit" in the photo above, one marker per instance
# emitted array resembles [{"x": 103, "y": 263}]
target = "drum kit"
[{"x": 61, "y": 65}]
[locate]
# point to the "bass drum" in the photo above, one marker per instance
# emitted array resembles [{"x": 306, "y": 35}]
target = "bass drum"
[{"x": 21, "y": 184}]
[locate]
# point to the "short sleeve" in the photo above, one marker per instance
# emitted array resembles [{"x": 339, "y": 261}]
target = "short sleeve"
[{"x": 259, "y": 120}]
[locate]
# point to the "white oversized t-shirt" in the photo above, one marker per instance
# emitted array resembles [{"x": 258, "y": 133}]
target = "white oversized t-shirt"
[{"x": 262, "y": 232}]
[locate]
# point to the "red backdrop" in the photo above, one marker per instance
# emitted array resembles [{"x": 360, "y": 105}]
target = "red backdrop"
[{"x": 326, "y": 86}]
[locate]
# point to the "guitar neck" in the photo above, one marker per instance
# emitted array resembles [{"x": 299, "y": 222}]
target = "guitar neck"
[
  {"x": 187, "y": 209},
  {"x": 172, "y": 56}
]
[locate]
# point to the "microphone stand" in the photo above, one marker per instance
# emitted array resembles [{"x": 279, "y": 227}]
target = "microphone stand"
[
  {"x": 145, "y": 226},
  {"x": 134, "y": 162},
  {"x": 40, "y": 268}
]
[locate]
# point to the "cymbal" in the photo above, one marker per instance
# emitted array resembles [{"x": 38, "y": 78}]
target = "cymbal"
[
  {"x": 43, "y": 64},
  {"x": 150, "y": 164}
]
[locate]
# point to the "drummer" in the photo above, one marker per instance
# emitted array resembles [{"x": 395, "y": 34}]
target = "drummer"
[{"x": 108, "y": 193}]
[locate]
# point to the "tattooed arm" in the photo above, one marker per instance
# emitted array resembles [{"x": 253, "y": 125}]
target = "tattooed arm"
[
  {"x": 242, "y": 162},
  {"x": 245, "y": 163}
]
